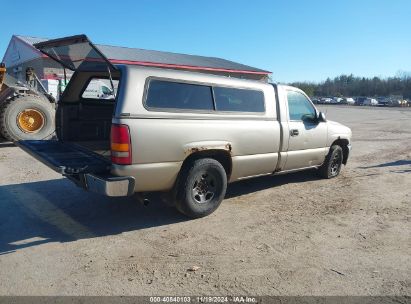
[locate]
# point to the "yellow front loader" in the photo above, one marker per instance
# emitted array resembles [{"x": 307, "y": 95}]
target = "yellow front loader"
[
  {"x": 2, "y": 74},
  {"x": 26, "y": 112}
]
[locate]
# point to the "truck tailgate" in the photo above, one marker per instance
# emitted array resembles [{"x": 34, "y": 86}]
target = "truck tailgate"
[{"x": 65, "y": 158}]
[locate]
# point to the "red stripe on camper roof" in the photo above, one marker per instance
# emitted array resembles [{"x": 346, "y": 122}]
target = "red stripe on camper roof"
[{"x": 178, "y": 66}]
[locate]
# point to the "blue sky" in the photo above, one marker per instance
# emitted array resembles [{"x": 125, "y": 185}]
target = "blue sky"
[{"x": 296, "y": 40}]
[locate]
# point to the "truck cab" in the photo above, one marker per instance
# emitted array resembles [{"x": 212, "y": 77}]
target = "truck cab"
[{"x": 183, "y": 133}]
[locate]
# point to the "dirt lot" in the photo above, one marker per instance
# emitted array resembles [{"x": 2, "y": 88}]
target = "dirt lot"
[{"x": 284, "y": 235}]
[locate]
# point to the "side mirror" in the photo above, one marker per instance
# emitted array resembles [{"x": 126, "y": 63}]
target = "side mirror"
[{"x": 321, "y": 117}]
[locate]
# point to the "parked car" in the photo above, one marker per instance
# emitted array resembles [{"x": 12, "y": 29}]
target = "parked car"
[
  {"x": 184, "y": 133},
  {"x": 348, "y": 100},
  {"x": 326, "y": 100},
  {"x": 359, "y": 101},
  {"x": 383, "y": 101},
  {"x": 336, "y": 100},
  {"x": 315, "y": 100},
  {"x": 396, "y": 102},
  {"x": 370, "y": 102}
]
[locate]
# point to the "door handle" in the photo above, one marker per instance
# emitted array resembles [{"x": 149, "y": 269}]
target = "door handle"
[{"x": 294, "y": 132}]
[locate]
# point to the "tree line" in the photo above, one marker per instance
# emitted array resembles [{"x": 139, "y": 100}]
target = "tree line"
[{"x": 350, "y": 85}]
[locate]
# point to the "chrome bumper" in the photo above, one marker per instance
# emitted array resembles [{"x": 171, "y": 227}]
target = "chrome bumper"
[{"x": 109, "y": 186}]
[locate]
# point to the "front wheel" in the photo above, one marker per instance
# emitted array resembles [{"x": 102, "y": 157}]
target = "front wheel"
[
  {"x": 333, "y": 163},
  {"x": 201, "y": 187}
]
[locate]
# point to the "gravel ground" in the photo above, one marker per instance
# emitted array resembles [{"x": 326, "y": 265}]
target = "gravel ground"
[{"x": 285, "y": 235}]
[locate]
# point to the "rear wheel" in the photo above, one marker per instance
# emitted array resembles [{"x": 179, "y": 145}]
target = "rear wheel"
[
  {"x": 333, "y": 163},
  {"x": 27, "y": 117},
  {"x": 201, "y": 187}
]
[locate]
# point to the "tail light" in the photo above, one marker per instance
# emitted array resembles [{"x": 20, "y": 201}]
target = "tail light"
[{"x": 120, "y": 145}]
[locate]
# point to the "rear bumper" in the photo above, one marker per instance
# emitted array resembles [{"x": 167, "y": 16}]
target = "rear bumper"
[
  {"x": 85, "y": 168},
  {"x": 107, "y": 185}
]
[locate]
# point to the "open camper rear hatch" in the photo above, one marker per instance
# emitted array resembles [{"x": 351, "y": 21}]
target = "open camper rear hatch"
[{"x": 76, "y": 53}]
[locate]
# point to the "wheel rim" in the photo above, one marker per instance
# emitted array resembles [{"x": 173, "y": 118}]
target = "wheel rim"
[
  {"x": 30, "y": 120},
  {"x": 204, "y": 187},
  {"x": 335, "y": 164}
]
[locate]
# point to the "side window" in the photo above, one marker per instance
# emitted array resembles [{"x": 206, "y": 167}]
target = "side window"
[
  {"x": 175, "y": 95},
  {"x": 299, "y": 107},
  {"x": 242, "y": 100},
  {"x": 100, "y": 88}
]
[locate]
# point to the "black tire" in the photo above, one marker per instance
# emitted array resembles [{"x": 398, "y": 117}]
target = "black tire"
[
  {"x": 12, "y": 108},
  {"x": 200, "y": 188},
  {"x": 332, "y": 164}
]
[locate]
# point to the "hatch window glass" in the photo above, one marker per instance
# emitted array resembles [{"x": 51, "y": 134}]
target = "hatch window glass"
[
  {"x": 75, "y": 53},
  {"x": 175, "y": 95},
  {"x": 299, "y": 107},
  {"x": 238, "y": 100},
  {"x": 100, "y": 88}
]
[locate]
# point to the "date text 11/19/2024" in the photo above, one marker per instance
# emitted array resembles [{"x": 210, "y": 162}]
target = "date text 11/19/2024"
[{"x": 203, "y": 299}]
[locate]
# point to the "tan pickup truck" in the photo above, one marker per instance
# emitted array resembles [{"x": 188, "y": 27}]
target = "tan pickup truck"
[{"x": 183, "y": 133}]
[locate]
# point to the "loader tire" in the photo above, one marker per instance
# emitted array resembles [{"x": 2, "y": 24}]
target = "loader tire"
[{"x": 27, "y": 117}]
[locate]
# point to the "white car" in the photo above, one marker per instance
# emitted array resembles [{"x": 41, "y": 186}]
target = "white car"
[
  {"x": 336, "y": 100},
  {"x": 349, "y": 100},
  {"x": 370, "y": 102},
  {"x": 325, "y": 100}
]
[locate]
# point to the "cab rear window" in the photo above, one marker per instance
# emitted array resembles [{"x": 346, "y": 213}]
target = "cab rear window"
[
  {"x": 238, "y": 100},
  {"x": 100, "y": 88}
]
